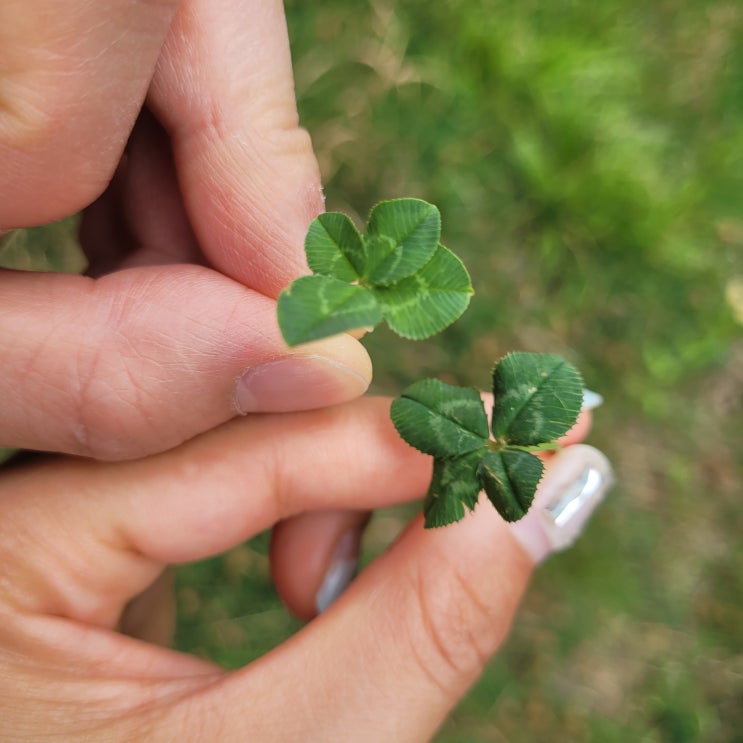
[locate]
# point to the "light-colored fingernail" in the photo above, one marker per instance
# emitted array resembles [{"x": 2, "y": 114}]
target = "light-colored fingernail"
[
  {"x": 344, "y": 565},
  {"x": 591, "y": 400},
  {"x": 574, "y": 483},
  {"x": 297, "y": 383}
]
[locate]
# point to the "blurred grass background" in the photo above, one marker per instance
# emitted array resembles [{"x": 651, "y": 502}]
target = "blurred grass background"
[{"x": 587, "y": 158}]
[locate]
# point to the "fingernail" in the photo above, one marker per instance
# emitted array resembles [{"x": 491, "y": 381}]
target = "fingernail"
[
  {"x": 297, "y": 383},
  {"x": 591, "y": 400},
  {"x": 344, "y": 565},
  {"x": 576, "y": 481}
]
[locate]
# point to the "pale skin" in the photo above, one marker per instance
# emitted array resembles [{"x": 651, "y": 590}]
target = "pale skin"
[{"x": 139, "y": 366}]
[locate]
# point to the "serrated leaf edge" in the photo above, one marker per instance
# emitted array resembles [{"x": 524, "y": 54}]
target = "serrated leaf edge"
[{"x": 563, "y": 363}]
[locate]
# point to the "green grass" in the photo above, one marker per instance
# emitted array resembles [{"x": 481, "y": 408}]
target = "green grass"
[{"x": 588, "y": 162}]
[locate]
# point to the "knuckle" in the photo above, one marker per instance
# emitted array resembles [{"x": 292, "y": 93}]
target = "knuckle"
[
  {"x": 454, "y": 635},
  {"x": 116, "y": 403},
  {"x": 139, "y": 360},
  {"x": 104, "y": 404},
  {"x": 42, "y": 144},
  {"x": 288, "y": 138}
]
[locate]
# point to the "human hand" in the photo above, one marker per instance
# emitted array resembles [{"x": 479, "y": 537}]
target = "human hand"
[
  {"x": 387, "y": 660},
  {"x": 216, "y": 172}
]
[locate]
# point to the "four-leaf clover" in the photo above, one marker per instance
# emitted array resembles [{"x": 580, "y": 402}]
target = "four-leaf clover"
[
  {"x": 397, "y": 271},
  {"x": 537, "y": 399}
]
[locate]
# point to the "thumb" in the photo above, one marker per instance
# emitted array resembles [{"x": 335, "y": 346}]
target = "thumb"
[
  {"x": 141, "y": 360},
  {"x": 249, "y": 177},
  {"x": 415, "y": 630}
]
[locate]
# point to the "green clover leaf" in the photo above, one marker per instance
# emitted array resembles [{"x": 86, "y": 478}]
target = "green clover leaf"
[
  {"x": 454, "y": 487},
  {"x": 537, "y": 399},
  {"x": 441, "y": 419},
  {"x": 534, "y": 397},
  {"x": 510, "y": 479},
  {"x": 318, "y": 306},
  {"x": 334, "y": 247},
  {"x": 397, "y": 271},
  {"x": 423, "y": 304},
  {"x": 401, "y": 236}
]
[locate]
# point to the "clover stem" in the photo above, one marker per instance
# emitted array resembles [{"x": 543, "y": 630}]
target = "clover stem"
[
  {"x": 501, "y": 445},
  {"x": 547, "y": 446}
]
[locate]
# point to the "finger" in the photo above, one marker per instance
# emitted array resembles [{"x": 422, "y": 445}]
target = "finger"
[
  {"x": 150, "y": 616},
  {"x": 578, "y": 432},
  {"x": 314, "y": 556},
  {"x": 414, "y": 630},
  {"x": 74, "y": 77},
  {"x": 582, "y": 427},
  {"x": 249, "y": 177},
  {"x": 141, "y": 360},
  {"x": 211, "y": 493}
]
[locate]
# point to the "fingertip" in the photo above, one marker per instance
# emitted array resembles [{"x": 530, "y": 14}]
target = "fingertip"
[
  {"x": 316, "y": 375},
  {"x": 345, "y": 350},
  {"x": 580, "y": 429},
  {"x": 575, "y": 482},
  {"x": 314, "y": 557}
]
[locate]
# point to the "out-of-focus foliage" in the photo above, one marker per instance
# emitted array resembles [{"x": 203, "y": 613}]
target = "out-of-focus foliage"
[{"x": 52, "y": 247}]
